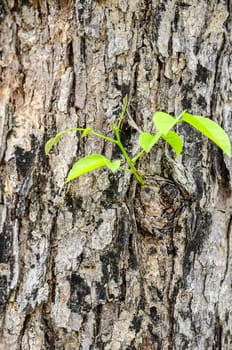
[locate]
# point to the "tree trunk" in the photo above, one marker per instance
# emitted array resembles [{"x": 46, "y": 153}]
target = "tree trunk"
[{"x": 103, "y": 263}]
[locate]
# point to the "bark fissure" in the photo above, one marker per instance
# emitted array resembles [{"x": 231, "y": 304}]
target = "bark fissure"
[
  {"x": 228, "y": 250},
  {"x": 23, "y": 330},
  {"x": 171, "y": 293},
  {"x": 217, "y": 73}
]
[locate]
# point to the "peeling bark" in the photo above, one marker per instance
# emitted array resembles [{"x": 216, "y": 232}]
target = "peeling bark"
[{"x": 102, "y": 263}]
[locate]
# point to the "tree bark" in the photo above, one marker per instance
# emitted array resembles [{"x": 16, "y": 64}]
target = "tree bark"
[{"x": 103, "y": 263}]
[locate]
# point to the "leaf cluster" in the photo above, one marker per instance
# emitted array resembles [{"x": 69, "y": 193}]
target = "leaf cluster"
[{"x": 164, "y": 124}]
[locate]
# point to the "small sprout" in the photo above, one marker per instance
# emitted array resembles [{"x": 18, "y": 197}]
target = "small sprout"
[
  {"x": 164, "y": 124},
  {"x": 147, "y": 141},
  {"x": 86, "y": 132}
]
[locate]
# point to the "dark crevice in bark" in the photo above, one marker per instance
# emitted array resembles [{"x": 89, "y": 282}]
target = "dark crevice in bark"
[
  {"x": 25, "y": 159},
  {"x": 16, "y": 6},
  {"x": 229, "y": 230},
  {"x": 217, "y": 75},
  {"x": 40, "y": 14},
  {"x": 186, "y": 93},
  {"x": 3, "y": 294},
  {"x": 199, "y": 228},
  {"x": 142, "y": 298},
  {"x": 219, "y": 171},
  {"x": 123, "y": 286},
  {"x": 8, "y": 131},
  {"x": 79, "y": 289},
  {"x": 53, "y": 97},
  {"x": 70, "y": 63},
  {"x": 171, "y": 295},
  {"x": 202, "y": 74},
  {"x": 133, "y": 263},
  {"x": 204, "y": 279},
  {"x": 18, "y": 52},
  {"x": 22, "y": 206},
  {"x": 47, "y": 6},
  {"x": 183, "y": 4},
  {"x": 224, "y": 179},
  {"x": 160, "y": 70},
  {"x": 229, "y": 18},
  {"x": 3, "y": 10},
  {"x": 49, "y": 329},
  {"x": 135, "y": 79},
  {"x": 49, "y": 334},
  {"x": 110, "y": 195},
  {"x": 6, "y": 237},
  {"x": 83, "y": 54},
  {"x": 52, "y": 256},
  {"x": 218, "y": 331},
  {"x": 98, "y": 317},
  {"x": 136, "y": 323},
  {"x": 161, "y": 7},
  {"x": 21, "y": 264},
  {"x": 176, "y": 18},
  {"x": 147, "y": 23},
  {"x": 23, "y": 330}
]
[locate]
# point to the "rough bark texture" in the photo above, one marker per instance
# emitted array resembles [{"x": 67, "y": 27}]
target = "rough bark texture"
[{"x": 103, "y": 263}]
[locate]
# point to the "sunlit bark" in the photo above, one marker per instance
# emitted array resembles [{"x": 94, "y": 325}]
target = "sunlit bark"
[{"x": 103, "y": 263}]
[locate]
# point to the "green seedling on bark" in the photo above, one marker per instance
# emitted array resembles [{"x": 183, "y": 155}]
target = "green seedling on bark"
[{"x": 164, "y": 124}]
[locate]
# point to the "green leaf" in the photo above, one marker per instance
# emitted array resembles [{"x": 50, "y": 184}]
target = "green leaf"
[
  {"x": 164, "y": 122},
  {"x": 51, "y": 142},
  {"x": 147, "y": 141},
  {"x": 86, "y": 132},
  {"x": 174, "y": 141},
  {"x": 55, "y": 140},
  {"x": 114, "y": 166},
  {"x": 210, "y": 129},
  {"x": 90, "y": 163},
  {"x": 124, "y": 105}
]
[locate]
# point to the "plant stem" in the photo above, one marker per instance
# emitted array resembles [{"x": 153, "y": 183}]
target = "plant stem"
[
  {"x": 129, "y": 161},
  {"x": 180, "y": 116},
  {"x": 124, "y": 105},
  {"x": 138, "y": 156},
  {"x": 120, "y": 145},
  {"x": 103, "y": 137}
]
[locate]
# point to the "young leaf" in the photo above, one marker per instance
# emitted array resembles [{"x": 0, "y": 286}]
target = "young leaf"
[
  {"x": 174, "y": 141},
  {"x": 52, "y": 142},
  {"x": 114, "y": 166},
  {"x": 210, "y": 129},
  {"x": 86, "y": 132},
  {"x": 124, "y": 105},
  {"x": 164, "y": 122},
  {"x": 147, "y": 141},
  {"x": 90, "y": 163},
  {"x": 55, "y": 140}
]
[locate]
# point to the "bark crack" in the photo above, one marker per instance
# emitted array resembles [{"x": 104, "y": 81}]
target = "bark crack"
[
  {"x": 23, "y": 331},
  {"x": 49, "y": 331},
  {"x": 214, "y": 98},
  {"x": 229, "y": 228},
  {"x": 172, "y": 297}
]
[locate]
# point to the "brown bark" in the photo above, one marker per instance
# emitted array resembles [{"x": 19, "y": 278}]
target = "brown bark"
[{"x": 103, "y": 263}]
